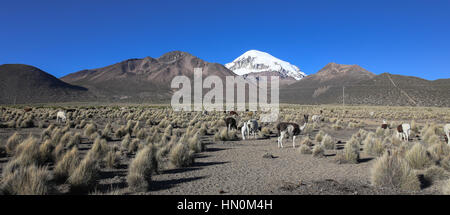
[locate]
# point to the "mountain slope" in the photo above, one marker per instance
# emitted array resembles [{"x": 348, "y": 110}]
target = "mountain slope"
[
  {"x": 27, "y": 84},
  {"x": 363, "y": 87},
  {"x": 259, "y": 63},
  {"x": 336, "y": 75},
  {"x": 146, "y": 79}
]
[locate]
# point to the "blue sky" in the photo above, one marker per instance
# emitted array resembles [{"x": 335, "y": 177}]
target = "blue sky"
[{"x": 60, "y": 37}]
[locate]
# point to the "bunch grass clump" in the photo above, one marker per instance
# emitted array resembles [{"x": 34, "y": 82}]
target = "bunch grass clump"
[
  {"x": 226, "y": 135},
  {"x": 373, "y": 145},
  {"x": 67, "y": 164},
  {"x": 12, "y": 143},
  {"x": 27, "y": 180},
  {"x": 394, "y": 172},
  {"x": 181, "y": 155},
  {"x": 350, "y": 154},
  {"x": 141, "y": 169},
  {"x": 417, "y": 157},
  {"x": 328, "y": 142},
  {"x": 305, "y": 149},
  {"x": 318, "y": 150},
  {"x": 85, "y": 175}
]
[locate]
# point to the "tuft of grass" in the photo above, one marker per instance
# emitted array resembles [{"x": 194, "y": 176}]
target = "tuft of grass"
[
  {"x": 67, "y": 165},
  {"x": 265, "y": 132},
  {"x": 417, "y": 157},
  {"x": 27, "y": 180},
  {"x": 225, "y": 135},
  {"x": 12, "y": 143},
  {"x": 112, "y": 159},
  {"x": 446, "y": 188},
  {"x": 3, "y": 151},
  {"x": 58, "y": 152},
  {"x": 74, "y": 140},
  {"x": 318, "y": 150},
  {"x": 350, "y": 154},
  {"x": 65, "y": 139},
  {"x": 435, "y": 173},
  {"x": 85, "y": 175},
  {"x": 445, "y": 163},
  {"x": 328, "y": 142},
  {"x": 306, "y": 141},
  {"x": 373, "y": 146},
  {"x": 141, "y": 134},
  {"x": 125, "y": 142},
  {"x": 121, "y": 132},
  {"x": 380, "y": 132},
  {"x": 439, "y": 151},
  {"x": 46, "y": 151},
  {"x": 141, "y": 169},
  {"x": 181, "y": 155},
  {"x": 134, "y": 145},
  {"x": 319, "y": 136},
  {"x": 394, "y": 172},
  {"x": 27, "y": 152},
  {"x": 195, "y": 144},
  {"x": 304, "y": 149},
  {"x": 90, "y": 129}
]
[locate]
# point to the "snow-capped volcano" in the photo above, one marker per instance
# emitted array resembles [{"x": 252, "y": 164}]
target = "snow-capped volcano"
[{"x": 254, "y": 62}]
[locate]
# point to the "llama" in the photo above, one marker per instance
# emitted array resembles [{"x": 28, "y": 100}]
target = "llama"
[
  {"x": 230, "y": 122},
  {"x": 316, "y": 118},
  {"x": 233, "y": 113},
  {"x": 403, "y": 131},
  {"x": 245, "y": 130},
  {"x": 293, "y": 129},
  {"x": 252, "y": 127},
  {"x": 61, "y": 116},
  {"x": 447, "y": 133},
  {"x": 384, "y": 125}
]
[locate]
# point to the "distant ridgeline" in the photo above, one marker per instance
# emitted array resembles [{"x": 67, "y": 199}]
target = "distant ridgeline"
[{"x": 148, "y": 80}]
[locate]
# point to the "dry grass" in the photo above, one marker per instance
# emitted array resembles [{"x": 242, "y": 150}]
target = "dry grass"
[
  {"x": 306, "y": 141},
  {"x": 85, "y": 176},
  {"x": 181, "y": 155},
  {"x": 435, "y": 173},
  {"x": 350, "y": 154},
  {"x": 319, "y": 136},
  {"x": 195, "y": 144},
  {"x": 328, "y": 142},
  {"x": 446, "y": 187},
  {"x": 27, "y": 180},
  {"x": 27, "y": 152},
  {"x": 225, "y": 135},
  {"x": 141, "y": 169},
  {"x": 318, "y": 150},
  {"x": 417, "y": 157},
  {"x": 373, "y": 146},
  {"x": 112, "y": 159},
  {"x": 65, "y": 167},
  {"x": 394, "y": 172},
  {"x": 12, "y": 143},
  {"x": 304, "y": 149},
  {"x": 46, "y": 151}
]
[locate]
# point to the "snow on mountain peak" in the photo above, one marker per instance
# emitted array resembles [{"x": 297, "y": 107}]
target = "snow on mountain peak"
[{"x": 254, "y": 61}]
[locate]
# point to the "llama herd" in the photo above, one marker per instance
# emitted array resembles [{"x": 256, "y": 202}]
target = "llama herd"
[
  {"x": 291, "y": 129},
  {"x": 404, "y": 131},
  {"x": 250, "y": 127}
]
